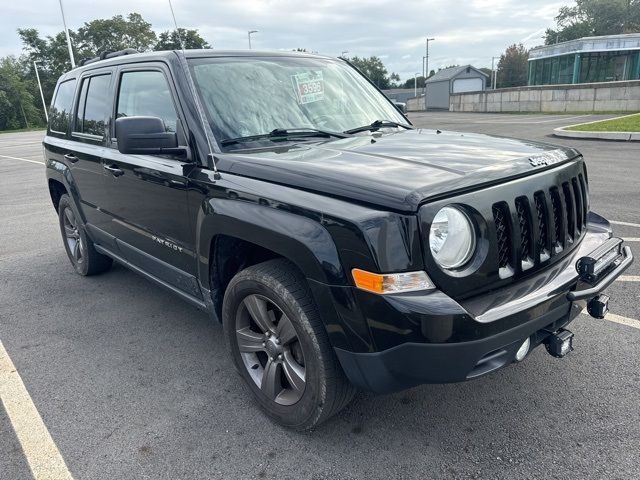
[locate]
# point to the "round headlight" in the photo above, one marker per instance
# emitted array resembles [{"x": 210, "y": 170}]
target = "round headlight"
[{"x": 452, "y": 239}]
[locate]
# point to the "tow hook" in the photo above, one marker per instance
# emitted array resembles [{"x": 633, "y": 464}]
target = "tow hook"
[
  {"x": 598, "y": 306},
  {"x": 559, "y": 343}
]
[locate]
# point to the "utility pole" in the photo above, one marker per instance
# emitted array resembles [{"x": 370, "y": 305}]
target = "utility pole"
[
  {"x": 494, "y": 73},
  {"x": 44, "y": 105},
  {"x": 249, "y": 36},
  {"x": 66, "y": 31},
  {"x": 426, "y": 70}
]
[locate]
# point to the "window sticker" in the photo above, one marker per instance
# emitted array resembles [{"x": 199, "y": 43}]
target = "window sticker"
[{"x": 309, "y": 86}]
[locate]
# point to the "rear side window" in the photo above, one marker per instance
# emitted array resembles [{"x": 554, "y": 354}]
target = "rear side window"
[
  {"x": 60, "y": 110},
  {"x": 147, "y": 94},
  {"x": 94, "y": 105}
]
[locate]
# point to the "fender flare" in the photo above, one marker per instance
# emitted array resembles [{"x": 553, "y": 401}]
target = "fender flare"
[
  {"x": 60, "y": 172},
  {"x": 301, "y": 240}
]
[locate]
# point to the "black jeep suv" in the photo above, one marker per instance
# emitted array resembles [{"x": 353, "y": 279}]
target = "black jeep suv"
[{"x": 340, "y": 247}]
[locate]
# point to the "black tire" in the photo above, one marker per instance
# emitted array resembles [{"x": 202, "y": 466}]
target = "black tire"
[
  {"x": 79, "y": 247},
  {"x": 283, "y": 291}
]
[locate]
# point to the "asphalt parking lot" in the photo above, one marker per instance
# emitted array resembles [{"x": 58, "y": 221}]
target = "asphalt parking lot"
[{"x": 130, "y": 382}]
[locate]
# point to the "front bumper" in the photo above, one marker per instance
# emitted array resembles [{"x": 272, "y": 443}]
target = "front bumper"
[{"x": 465, "y": 340}]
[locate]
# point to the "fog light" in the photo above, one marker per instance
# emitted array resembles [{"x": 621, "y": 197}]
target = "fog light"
[
  {"x": 523, "y": 350},
  {"x": 560, "y": 343}
]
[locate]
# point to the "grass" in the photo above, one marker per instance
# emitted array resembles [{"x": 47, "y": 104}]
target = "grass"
[{"x": 629, "y": 123}]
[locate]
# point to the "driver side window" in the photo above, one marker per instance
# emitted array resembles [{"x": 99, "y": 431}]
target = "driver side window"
[{"x": 147, "y": 94}]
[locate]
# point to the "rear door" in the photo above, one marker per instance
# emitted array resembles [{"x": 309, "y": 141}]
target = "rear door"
[
  {"x": 89, "y": 135},
  {"x": 147, "y": 194}
]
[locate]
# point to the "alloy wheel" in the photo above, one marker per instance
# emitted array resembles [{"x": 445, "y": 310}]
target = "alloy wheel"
[
  {"x": 270, "y": 349},
  {"x": 72, "y": 236}
]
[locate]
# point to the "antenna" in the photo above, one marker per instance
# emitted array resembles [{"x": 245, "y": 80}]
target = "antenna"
[
  {"x": 196, "y": 99},
  {"x": 176, "y": 25}
]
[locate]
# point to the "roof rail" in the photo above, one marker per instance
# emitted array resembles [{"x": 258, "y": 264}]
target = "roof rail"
[{"x": 107, "y": 54}]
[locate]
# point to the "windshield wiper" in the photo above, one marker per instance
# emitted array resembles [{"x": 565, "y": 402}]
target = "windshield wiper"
[
  {"x": 377, "y": 125},
  {"x": 285, "y": 133}
]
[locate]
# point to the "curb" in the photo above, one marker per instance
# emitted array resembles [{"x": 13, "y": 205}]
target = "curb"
[{"x": 619, "y": 136}]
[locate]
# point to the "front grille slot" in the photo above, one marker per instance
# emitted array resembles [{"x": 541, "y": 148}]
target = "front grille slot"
[
  {"x": 577, "y": 195},
  {"x": 571, "y": 212},
  {"x": 526, "y": 232},
  {"x": 558, "y": 219},
  {"x": 585, "y": 199},
  {"x": 501, "y": 218},
  {"x": 544, "y": 233}
]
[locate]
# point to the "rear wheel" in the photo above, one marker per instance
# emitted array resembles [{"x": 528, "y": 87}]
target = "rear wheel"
[
  {"x": 280, "y": 347},
  {"x": 80, "y": 250}
]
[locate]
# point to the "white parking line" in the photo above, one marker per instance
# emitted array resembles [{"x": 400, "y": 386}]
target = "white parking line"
[
  {"x": 612, "y": 317},
  {"x": 21, "y": 159},
  {"x": 39, "y": 449},
  {"x": 626, "y": 224},
  {"x": 628, "y": 278}
]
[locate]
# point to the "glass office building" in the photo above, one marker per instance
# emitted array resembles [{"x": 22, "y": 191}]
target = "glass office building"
[{"x": 590, "y": 59}]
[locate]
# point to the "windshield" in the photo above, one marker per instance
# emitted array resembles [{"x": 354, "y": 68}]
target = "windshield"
[{"x": 253, "y": 96}]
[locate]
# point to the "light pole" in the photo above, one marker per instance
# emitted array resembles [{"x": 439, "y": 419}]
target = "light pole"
[
  {"x": 44, "y": 105},
  {"x": 415, "y": 84},
  {"x": 249, "y": 36},
  {"x": 494, "y": 73},
  {"x": 66, "y": 31},
  {"x": 426, "y": 70}
]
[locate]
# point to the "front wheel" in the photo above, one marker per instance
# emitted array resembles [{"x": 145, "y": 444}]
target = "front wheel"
[{"x": 280, "y": 347}]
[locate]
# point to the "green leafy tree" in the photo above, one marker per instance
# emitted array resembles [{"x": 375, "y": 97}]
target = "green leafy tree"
[
  {"x": 116, "y": 33},
  {"x": 594, "y": 17},
  {"x": 410, "y": 82},
  {"x": 512, "y": 67},
  {"x": 17, "y": 103},
  {"x": 171, "y": 40},
  {"x": 394, "y": 80},
  {"x": 373, "y": 68}
]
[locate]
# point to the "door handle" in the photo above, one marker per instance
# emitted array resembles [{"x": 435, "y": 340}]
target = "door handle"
[
  {"x": 113, "y": 170},
  {"x": 71, "y": 158}
]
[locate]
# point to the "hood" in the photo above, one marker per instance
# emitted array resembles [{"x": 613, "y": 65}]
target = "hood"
[{"x": 398, "y": 170}]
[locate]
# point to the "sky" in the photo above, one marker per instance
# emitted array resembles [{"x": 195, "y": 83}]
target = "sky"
[{"x": 465, "y": 32}]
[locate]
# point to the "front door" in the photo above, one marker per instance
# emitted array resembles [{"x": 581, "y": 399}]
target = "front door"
[{"x": 147, "y": 194}]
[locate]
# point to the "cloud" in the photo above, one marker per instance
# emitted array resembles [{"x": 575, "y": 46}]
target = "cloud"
[{"x": 464, "y": 32}]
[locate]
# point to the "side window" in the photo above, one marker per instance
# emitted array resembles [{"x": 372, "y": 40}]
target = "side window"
[
  {"x": 146, "y": 94},
  {"x": 60, "y": 110},
  {"x": 94, "y": 105}
]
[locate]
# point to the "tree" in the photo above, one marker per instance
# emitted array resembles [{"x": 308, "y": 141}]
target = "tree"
[
  {"x": 512, "y": 67},
  {"x": 410, "y": 82},
  {"x": 116, "y": 33},
  {"x": 373, "y": 68},
  {"x": 17, "y": 103},
  {"x": 394, "y": 80},
  {"x": 594, "y": 17},
  {"x": 92, "y": 38},
  {"x": 171, "y": 40}
]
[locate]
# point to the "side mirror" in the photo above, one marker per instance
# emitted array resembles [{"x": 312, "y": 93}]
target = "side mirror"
[{"x": 146, "y": 136}]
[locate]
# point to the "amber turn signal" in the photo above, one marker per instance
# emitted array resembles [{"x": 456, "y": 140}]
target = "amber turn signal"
[{"x": 391, "y": 282}]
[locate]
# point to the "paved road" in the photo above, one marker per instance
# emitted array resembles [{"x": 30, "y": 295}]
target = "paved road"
[{"x": 133, "y": 383}]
